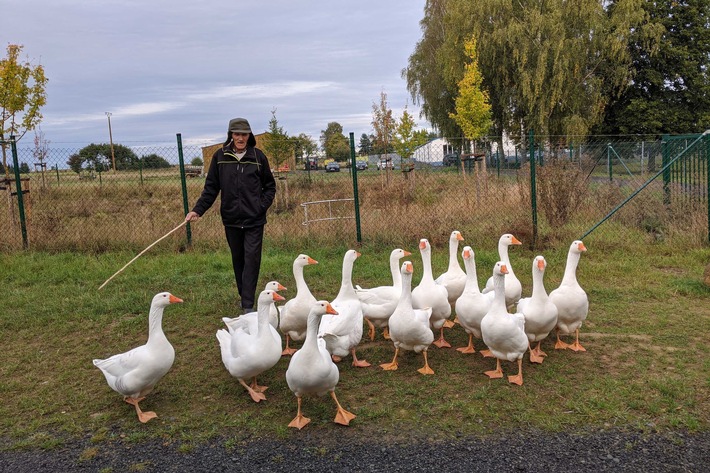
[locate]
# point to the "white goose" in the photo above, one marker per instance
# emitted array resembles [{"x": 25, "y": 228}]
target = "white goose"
[
  {"x": 472, "y": 305},
  {"x": 343, "y": 333},
  {"x": 294, "y": 312},
  {"x": 430, "y": 294},
  {"x": 539, "y": 311},
  {"x": 311, "y": 369},
  {"x": 513, "y": 288},
  {"x": 571, "y": 300},
  {"x": 410, "y": 328},
  {"x": 504, "y": 333},
  {"x": 248, "y": 351},
  {"x": 379, "y": 302},
  {"x": 135, "y": 373},
  {"x": 454, "y": 278},
  {"x": 251, "y": 317}
]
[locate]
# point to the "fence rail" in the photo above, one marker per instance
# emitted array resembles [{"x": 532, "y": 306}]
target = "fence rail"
[{"x": 483, "y": 191}]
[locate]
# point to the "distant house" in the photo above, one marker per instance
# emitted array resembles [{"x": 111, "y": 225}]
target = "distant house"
[
  {"x": 208, "y": 151},
  {"x": 433, "y": 152}
]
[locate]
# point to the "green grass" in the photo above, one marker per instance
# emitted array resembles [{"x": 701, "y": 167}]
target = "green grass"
[{"x": 645, "y": 368}]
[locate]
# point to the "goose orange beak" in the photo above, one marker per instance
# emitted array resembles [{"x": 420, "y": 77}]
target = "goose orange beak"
[
  {"x": 422, "y": 244},
  {"x": 515, "y": 241},
  {"x": 459, "y": 237},
  {"x": 541, "y": 264},
  {"x": 281, "y": 288},
  {"x": 329, "y": 309},
  {"x": 581, "y": 247},
  {"x": 278, "y": 297},
  {"x": 407, "y": 253},
  {"x": 174, "y": 300},
  {"x": 504, "y": 269},
  {"x": 312, "y": 261}
]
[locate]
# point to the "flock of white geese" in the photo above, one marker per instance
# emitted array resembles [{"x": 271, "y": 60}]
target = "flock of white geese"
[{"x": 412, "y": 318}]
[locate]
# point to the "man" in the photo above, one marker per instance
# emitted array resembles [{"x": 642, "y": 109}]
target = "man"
[{"x": 241, "y": 173}]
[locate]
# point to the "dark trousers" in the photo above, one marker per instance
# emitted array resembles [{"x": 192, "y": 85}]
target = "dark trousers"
[{"x": 245, "y": 245}]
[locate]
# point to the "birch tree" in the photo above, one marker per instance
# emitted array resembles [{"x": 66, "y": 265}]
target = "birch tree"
[{"x": 22, "y": 95}]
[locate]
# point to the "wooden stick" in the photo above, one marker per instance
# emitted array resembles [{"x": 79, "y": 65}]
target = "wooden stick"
[{"x": 141, "y": 253}]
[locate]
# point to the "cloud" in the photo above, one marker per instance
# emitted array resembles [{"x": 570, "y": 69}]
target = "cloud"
[{"x": 261, "y": 91}]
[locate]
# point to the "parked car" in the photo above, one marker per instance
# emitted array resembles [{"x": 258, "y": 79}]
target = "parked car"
[
  {"x": 332, "y": 166},
  {"x": 451, "y": 159},
  {"x": 361, "y": 165},
  {"x": 311, "y": 164},
  {"x": 384, "y": 164}
]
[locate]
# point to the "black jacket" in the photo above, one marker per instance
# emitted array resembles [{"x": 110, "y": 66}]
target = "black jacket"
[{"x": 247, "y": 187}]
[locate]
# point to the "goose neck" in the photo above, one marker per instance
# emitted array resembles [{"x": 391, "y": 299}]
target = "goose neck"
[
  {"x": 499, "y": 291},
  {"x": 155, "y": 325},
  {"x": 570, "y": 275},
  {"x": 471, "y": 276}
]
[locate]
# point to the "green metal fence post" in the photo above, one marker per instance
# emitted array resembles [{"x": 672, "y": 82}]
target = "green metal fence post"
[
  {"x": 608, "y": 161},
  {"x": 707, "y": 178},
  {"x": 353, "y": 166},
  {"x": 533, "y": 189},
  {"x": 183, "y": 183},
  {"x": 56, "y": 168},
  {"x": 665, "y": 158},
  {"x": 18, "y": 189}
]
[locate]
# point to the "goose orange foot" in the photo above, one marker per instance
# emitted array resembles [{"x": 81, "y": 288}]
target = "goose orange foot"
[
  {"x": 255, "y": 395},
  {"x": 142, "y": 416},
  {"x": 299, "y": 422},
  {"x": 517, "y": 379},
  {"x": 486, "y": 353},
  {"x": 425, "y": 369},
  {"x": 391, "y": 366},
  {"x": 448, "y": 324},
  {"x": 371, "y": 330},
  {"x": 258, "y": 388},
  {"x": 342, "y": 416},
  {"x": 441, "y": 343},
  {"x": 358, "y": 363},
  {"x": 468, "y": 348},
  {"x": 496, "y": 373},
  {"x": 535, "y": 357}
]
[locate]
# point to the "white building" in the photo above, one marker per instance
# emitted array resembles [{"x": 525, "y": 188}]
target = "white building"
[{"x": 433, "y": 152}]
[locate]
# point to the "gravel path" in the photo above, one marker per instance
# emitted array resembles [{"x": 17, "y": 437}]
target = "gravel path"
[{"x": 610, "y": 450}]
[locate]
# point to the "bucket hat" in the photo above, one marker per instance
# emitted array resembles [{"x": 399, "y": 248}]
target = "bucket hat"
[{"x": 239, "y": 125}]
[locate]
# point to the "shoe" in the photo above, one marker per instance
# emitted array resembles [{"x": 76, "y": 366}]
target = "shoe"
[{"x": 246, "y": 310}]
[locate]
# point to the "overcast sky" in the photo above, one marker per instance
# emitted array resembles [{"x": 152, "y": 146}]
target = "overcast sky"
[{"x": 165, "y": 67}]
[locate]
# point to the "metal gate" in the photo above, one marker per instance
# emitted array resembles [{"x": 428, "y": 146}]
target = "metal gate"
[{"x": 684, "y": 175}]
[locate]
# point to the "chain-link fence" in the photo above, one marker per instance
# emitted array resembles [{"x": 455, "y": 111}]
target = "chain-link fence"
[{"x": 566, "y": 191}]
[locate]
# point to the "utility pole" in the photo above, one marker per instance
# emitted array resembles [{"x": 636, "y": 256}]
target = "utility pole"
[{"x": 110, "y": 137}]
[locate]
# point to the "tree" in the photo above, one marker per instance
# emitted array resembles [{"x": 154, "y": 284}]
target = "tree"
[
  {"x": 383, "y": 125},
  {"x": 304, "y": 146},
  {"x": 670, "y": 90},
  {"x": 334, "y": 142},
  {"x": 277, "y": 145},
  {"x": 22, "y": 95},
  {"x": 406, "y": 139},
  {"x": 196, "y": 161},
  {"x": 473, "y": 112},
  {"x": 427, "y": 69},
  {"x": 548, "y": 66},
  {"x": 365, "y": 145},
  {"x": 153, "y": 161},
  {"x": 95, "y": 157}
]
